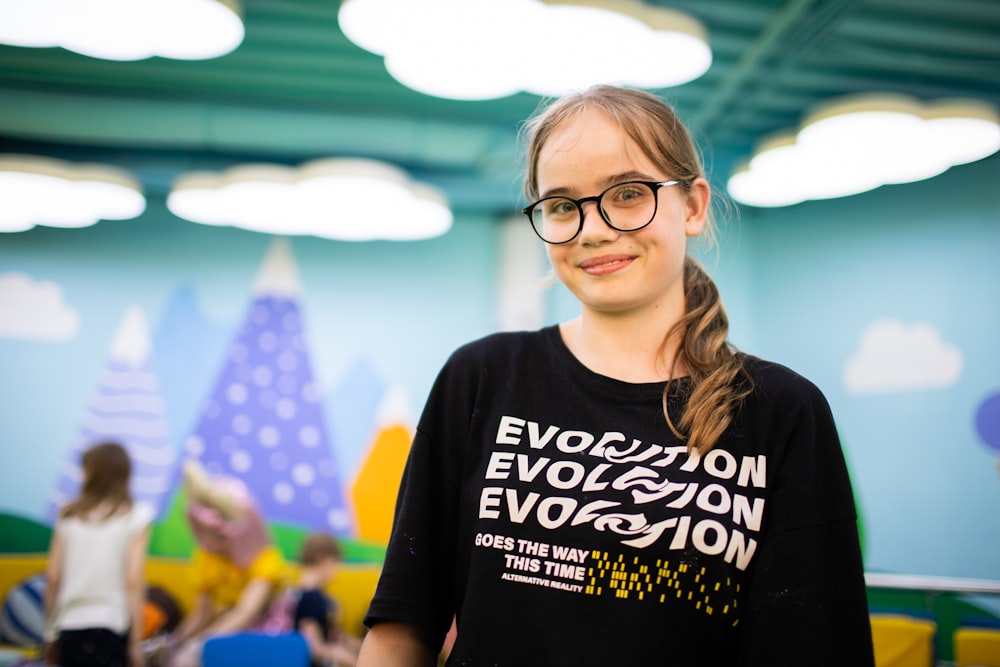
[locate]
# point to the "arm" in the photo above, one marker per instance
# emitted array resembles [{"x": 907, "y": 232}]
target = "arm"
[
  {"x": 251, "y": 604},
  {"x": 200, "y": 616},
  {"x": 53, "y": 579},
  {"x": 310, "y": 629},
  {"x": 806, "y": 602},
  {"x": 135, "y": 591},
  {"x": 322, "y": 650},
  {"x": 395, "y": 645},
  {"x": 414, "y": 601}
]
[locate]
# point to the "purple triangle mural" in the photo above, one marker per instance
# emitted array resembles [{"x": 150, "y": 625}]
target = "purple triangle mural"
[
  {"x": 126, "y": 407},
  {"x": 263, "y": 421}
]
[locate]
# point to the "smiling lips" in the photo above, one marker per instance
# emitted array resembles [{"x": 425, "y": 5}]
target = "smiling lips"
[{"x": 600, "y": 266}]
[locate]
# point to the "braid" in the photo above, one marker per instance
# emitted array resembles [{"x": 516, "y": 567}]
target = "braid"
[{"x": 713, "y": 364}]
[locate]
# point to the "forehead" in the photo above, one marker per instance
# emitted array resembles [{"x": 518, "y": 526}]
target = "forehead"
[{"x": 586, "y": 148}]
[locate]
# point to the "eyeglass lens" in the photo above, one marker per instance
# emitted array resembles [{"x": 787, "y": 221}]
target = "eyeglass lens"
[{"x": 627, "y": 206}]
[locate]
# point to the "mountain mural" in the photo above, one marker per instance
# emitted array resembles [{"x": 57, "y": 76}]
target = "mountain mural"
[{"x": 263, "y": 421}]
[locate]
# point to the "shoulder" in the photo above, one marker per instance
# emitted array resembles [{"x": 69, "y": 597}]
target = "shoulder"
[
  {"x": 782, "y": 399},
  {"x": 141, "y": 515},
  {"x": 493, "y": 355},
  {"x": 269, "y": 564},
  {"x": 476, "y": 371},
  {"x": 772, "y": 381},
  {"x": 500, "y": 346},
  {"x": 308, "y": 596},
  {"x": 314, "y": 596},
  {"x": 312, "y": 600},
  {"x": 784, "y": 406}
]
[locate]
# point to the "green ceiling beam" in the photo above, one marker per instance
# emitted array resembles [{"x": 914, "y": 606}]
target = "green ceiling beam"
[
  {"x": 745, "y": 69},
  {"x": 148, "y": 123}
]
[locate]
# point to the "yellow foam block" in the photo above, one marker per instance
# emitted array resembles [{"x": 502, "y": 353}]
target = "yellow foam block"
[
  {"x": 977, "y": 646},
  {"x": 15, "y": 568},
  {"x": 352, "y": 586},
  {"x": 903, "y": 641}
]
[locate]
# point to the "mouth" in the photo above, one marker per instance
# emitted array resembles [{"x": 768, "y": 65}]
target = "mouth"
[{"x": 606, "y": 264}]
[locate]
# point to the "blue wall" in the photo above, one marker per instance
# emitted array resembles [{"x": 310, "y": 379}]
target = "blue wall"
[
  {"x": 800, "y": 284},
  {"x": 925, "y": 252},
  {"x": 377, "y": 317}
]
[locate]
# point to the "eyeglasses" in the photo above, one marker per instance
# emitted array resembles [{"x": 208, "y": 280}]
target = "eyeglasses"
[{"x": 626, "y": 207}]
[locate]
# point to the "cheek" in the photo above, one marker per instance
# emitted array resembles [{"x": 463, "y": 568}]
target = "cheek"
[
  {"x": 557, "y": 255},
  {"x": 552, "y": 252},
  {"x": 670, "y": 227}
]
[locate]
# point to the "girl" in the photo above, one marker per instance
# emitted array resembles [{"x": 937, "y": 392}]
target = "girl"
[
  {"x": 239, "y": 571},
  {"x": 624, "y": 488},
  {"x": 96, "y": 567}
]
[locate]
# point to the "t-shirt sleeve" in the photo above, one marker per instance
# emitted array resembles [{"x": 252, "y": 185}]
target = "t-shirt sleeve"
[
  {"x": 417, "y": 583},
  {"x": 269, "y": 565},
  {"x": 414, "y": 586},
  {"x": 807, "y": 602},
  {"x": 313, "y": 604},
  {"x": 142, "y": 517},
  {"x": 211, "y": 571}
]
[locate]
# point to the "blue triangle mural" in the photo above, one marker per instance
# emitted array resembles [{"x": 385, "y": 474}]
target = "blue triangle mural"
[{"x": 263, "y": 421}]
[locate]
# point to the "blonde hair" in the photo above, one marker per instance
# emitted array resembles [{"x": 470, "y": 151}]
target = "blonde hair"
[
  {"x": 106, "y": 472},
  {"x": 719, "y": 380}
]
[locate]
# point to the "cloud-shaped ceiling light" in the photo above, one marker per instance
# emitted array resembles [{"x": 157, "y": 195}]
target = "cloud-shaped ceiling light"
[
  {"x": 125, "y": 29},
  {"x": 483, "y": 49},
  {"x": 858, "y": 143},
  {"x": 338, "y": 198},
  {"x": 38, "y": 190}
]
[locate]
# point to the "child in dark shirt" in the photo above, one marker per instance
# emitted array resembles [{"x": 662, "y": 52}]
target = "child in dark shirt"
[{"x": 315, "y": 611}]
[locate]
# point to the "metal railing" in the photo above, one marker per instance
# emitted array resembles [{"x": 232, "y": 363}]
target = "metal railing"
[{"x": 912, "y": 582}]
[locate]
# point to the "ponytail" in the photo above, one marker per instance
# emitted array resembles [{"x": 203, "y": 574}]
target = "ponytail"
[{"x": 714, "y": 366}]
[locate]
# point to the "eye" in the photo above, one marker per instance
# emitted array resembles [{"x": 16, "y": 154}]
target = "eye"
[
  {"x": 558, "y": 207},
  {"x": 627, "y": 194}
]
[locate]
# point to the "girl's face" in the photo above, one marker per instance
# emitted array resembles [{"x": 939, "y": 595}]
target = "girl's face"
[{"x": 614, "y": 272}]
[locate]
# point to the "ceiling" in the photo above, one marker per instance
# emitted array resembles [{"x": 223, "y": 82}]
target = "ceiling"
[{"x": 297, "y": 89}]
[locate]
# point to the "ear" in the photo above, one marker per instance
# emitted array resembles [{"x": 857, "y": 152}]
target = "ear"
[{"x": 699, "y": 196}]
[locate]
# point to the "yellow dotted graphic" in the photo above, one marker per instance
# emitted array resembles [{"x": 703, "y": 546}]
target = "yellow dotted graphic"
[{"x": 635, "y": 579}]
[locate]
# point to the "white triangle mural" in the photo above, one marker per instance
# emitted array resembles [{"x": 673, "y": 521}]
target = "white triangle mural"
[{"x": 126, "y": 407}]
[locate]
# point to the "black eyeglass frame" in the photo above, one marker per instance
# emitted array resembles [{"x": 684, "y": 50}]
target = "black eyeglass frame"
[{"x": 652, "y": 185}]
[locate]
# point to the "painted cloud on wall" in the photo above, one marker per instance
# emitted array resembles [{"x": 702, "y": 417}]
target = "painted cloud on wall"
[
  {"x": 897, "y": 357},
  {"x": 34, "y": 310}
]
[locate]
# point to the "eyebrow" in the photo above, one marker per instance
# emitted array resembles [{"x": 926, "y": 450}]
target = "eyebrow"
[{"x": 605, "y": 183}]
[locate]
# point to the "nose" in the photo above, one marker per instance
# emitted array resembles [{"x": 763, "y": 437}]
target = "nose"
[{"x": 595, "y": 228}]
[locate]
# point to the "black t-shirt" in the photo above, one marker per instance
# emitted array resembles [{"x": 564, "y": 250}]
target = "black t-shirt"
[
  {"x": 315, "y": 605},
  {"x": 554, "y": 512}
]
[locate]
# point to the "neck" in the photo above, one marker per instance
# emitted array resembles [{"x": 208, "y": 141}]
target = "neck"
[
  {"x": 310, "y": 577},
  {"x": 631, "y": 348}
]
